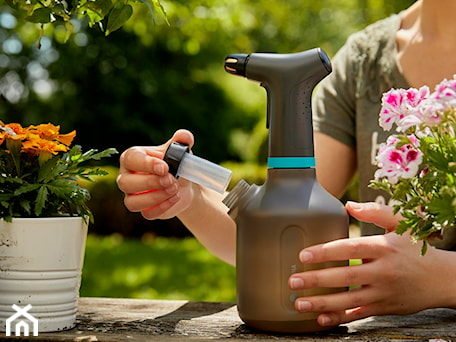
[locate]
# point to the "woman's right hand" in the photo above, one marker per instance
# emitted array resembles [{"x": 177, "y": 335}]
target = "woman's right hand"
[{"x": 148, "y": 186}]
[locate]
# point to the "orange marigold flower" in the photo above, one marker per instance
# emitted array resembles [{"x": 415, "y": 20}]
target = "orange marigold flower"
[
  {"x": 35, "y": 145},
  {"x": 52, "y": 132},
  {"x": 12, "y": 132},
  {"x": 46, "y": 131},
  {"x": 66, "y": 139}
]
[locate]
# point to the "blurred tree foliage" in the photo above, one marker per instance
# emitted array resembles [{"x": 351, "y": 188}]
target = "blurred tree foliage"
[
  {"x": 142, "y": 82},
  {"x": 110, "y": 15}
]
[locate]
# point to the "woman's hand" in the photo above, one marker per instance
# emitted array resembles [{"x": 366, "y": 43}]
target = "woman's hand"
[
  {"x": 393, "y": 278},
  {"x": 148, "y": 186}
]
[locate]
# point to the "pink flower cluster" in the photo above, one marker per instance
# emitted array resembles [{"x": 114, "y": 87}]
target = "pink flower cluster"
[
  {"x": 413, "y": 111},
  {"x": 415, "y": 107}
]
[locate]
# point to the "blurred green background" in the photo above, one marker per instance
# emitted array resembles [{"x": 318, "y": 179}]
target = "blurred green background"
[{"x": 141, "y": 83}]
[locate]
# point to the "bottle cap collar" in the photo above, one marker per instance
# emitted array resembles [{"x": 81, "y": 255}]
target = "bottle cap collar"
[{"x": 174, "y": 155}]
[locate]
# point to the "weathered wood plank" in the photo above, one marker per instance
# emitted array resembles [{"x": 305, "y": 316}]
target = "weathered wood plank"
[{"x": 119, "y": 320}]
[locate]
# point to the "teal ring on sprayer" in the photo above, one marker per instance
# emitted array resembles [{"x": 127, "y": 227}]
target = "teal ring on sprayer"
[{"x": 291, "y": 162}]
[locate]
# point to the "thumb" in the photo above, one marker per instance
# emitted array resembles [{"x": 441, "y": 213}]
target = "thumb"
[
  {"x": 371, "y": 212},
  {"x": 182, "y": 136}
]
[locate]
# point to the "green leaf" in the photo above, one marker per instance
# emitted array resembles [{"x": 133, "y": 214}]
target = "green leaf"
[
  {"x": 62, "y": 188},
  {"x": 74, "y": 154},
  {"x": 6, "y": 197},
  {"x": 48, "y": 170},
  {"x": 443, "y": 210},
  {"x": 118, "y": 16},
  {"x": 100, "y": 7},
  {"x": 41, "y": 199},
  {"x": 40, "y": 15},
  {"x": 69, "y": 30},
  {"x": 26, "y": 205},
  {"x": 402, "y": 227},
  {"x": 381, "y": 185},
  {"x": 424, "y": 248},
  {"x": 156, "y": 3},
  {"x": 104, "y": 154},
  {"x": 25, "y": 189},
  {"x": 93, "y": 155}
]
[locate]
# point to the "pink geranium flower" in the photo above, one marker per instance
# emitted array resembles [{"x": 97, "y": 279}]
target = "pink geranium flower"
[
  {"x": 445, "y": 94},
  {"x": 398, "y": 162},
  {"x": 402, "y": 107},
  {"x": 393, "y": 108}
]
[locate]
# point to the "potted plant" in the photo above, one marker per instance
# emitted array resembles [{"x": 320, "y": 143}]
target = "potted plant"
[{"x": 43, "y": 222}]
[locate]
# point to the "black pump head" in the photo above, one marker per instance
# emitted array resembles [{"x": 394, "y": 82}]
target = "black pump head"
[
  {"x": 236, "y": 64},
  {"x": 289, "y": 80}
]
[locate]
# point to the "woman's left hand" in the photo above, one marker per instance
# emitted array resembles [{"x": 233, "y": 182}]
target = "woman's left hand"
[{"x": 394, "y": 278}]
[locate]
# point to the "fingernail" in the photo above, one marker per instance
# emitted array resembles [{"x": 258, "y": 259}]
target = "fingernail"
[
  {"x": 354, "y": 205},
  {"x": 172, "y": 189},
  {"x": 324, "y": 320},
  {"x": 167, "y": 181},
  {"x": 296, "y": 283},
  {"x": 305, "y": 256},
  {"x": 159, "y": 169},
  {"x": 304, "y": 305}
]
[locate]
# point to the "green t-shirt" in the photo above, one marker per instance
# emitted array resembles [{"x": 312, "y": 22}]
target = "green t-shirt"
[{"x": 346, "y": 104}]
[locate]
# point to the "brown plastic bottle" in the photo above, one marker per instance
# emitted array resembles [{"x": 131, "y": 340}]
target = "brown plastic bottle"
[{"x": 291, "y": 210}]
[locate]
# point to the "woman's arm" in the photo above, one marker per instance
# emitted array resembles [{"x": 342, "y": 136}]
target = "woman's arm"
[{"x": 151, "y": 190}]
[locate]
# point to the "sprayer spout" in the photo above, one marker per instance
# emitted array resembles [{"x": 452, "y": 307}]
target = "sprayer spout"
[{"x": 235, "y": 64}]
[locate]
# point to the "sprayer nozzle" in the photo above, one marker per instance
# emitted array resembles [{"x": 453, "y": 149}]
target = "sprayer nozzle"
[
  {"x": 235, "y": 64},
  {"x": 325, "y": 60}
]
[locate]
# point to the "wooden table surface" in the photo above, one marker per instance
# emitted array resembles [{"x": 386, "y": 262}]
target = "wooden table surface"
[{"x": 114, "y": 319}]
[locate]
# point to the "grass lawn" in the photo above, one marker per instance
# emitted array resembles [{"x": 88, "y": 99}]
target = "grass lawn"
[{"x": 155, "y": 268}]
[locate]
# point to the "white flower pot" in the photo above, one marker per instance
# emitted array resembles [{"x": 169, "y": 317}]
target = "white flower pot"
[{"x": 40, "y": 264}]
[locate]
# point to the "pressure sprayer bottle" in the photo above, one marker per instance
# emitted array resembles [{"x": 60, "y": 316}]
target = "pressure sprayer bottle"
[{"x": 291, "y": 210}]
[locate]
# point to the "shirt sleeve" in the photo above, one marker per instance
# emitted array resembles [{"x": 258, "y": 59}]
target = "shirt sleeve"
[{"x": 334, "y": 103}]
